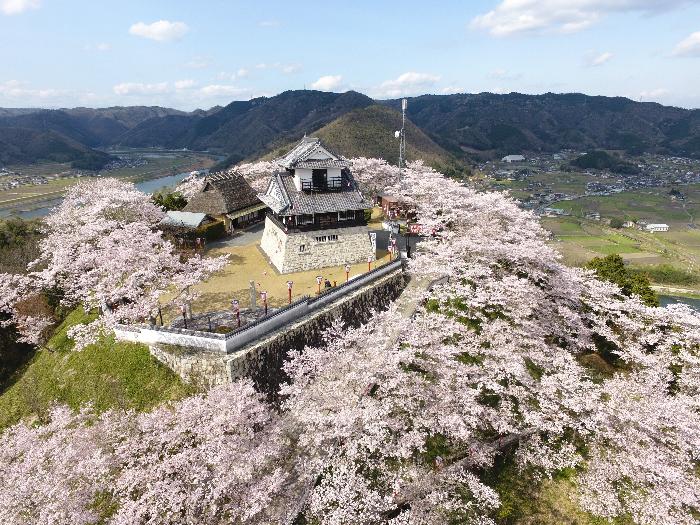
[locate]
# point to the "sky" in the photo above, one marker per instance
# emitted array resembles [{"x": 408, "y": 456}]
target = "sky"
[{"x": 188, "y": 55}]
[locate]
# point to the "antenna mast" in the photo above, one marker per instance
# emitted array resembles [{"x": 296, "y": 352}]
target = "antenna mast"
[{"x": 402, "y": 135}]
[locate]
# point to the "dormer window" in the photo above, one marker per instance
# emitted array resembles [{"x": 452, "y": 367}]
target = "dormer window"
[{"x": 319, "y": 178}]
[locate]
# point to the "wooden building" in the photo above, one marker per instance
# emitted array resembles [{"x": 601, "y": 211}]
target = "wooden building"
[{"x": 229, "y": 198}]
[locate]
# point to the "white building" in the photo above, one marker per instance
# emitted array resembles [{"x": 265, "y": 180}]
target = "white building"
[
  {"x": 657, "y": 227},
  {"x": 317, "y": 214},
  {"x": 513, "y": 158}
]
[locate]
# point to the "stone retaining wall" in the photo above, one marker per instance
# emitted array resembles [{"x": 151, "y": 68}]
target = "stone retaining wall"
[
  {"x": 352, "y": 246},
  {"x": 262, "y": 359}
]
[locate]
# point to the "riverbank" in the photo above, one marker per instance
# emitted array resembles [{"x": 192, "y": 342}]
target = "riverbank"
[{"x": 162, "y": 170}]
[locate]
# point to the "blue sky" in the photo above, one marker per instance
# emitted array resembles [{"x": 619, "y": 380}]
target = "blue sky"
[{"x": 188, "y": 54}]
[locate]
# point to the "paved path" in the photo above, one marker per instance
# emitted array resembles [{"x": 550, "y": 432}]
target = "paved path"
[{"x": 250, "y": 235}]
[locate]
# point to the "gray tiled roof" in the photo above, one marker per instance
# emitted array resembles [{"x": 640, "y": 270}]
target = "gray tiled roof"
[
  {"x": 284, "y": 198},
  {"x": 313, "y": 164},
  {"x": 304, "y": 150},
  {"x": 223, "y": 193}
]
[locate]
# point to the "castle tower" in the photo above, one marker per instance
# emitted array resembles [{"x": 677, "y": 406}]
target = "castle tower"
[{"x": 317, "y": 214}]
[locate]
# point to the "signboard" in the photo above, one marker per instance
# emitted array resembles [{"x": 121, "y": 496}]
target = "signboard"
[
  {"x": 373, "y": 240},
  {"x": 415, "y": 228}
]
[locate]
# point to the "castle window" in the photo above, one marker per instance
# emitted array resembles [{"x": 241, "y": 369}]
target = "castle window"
[
  {"x": 346, "y": 215},
  {"x": 302, "y": 248},
  {"x": 327, "y": 238},
  {"x": 305, "y": 219}
]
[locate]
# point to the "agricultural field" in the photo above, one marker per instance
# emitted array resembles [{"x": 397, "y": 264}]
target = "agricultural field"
[
  {"x": 651, "y": 205},
  {"x": 671, "y": 259}
]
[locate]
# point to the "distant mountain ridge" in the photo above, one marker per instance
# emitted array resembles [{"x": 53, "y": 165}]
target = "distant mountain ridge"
[
  {"x": 462, "y": 126},
  {"x": 486, "y": 124},
  {"x": 19, "y": 146},
  {"x": 369, "y": 132}
]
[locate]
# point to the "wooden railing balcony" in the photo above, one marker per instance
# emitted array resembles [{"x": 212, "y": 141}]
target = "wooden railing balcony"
[
  {"x": 318, "y": 224},
  {"x": 329, "y": 184}
]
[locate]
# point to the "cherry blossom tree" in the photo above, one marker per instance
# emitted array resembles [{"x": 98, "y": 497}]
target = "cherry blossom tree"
[
  {"x": 202, "y": 460},
  {"x": 190, "y": 186},
  {"x": 493, "y": 361},
  {"x": 257, "y": 174},
  {"x": 103, "y": 250},
  {"x": 494, "y": 349},
  {"x": 374, "y": 176}
]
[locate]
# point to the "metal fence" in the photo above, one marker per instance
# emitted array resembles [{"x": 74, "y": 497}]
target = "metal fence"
[{"x": 236, "y": 339}]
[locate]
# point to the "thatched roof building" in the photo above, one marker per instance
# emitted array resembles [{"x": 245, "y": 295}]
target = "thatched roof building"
[{"x": 227, "y": 196}]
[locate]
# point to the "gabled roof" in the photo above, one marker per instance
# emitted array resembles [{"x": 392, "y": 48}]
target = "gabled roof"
[
  {"x": 283, "y": 197},
  {"x": 184, "y": 218},
  {"x": 223, "y": 193},
  {"x": 311, "y": 150}
]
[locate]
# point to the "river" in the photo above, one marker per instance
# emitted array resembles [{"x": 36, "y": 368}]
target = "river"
[
  {"x": 147, "y": 186},
  {"x": 665, "y": 300}
]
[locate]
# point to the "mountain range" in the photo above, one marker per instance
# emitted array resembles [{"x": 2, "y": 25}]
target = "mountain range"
[{"x": 442, "y": 128}]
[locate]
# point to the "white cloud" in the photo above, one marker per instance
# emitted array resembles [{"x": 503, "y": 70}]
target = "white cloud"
[
  {"x": 408, "y": 83},
  {"x": 242, "y": 72},
  {"x": 599, "y": 59},
  {"x": 688, "y": 47},
  {"x": 16, "y": 89},
  {"x": 653, "y": 94},
  {"x": 328, "y": 83},
  {"x": 215, "y": 90},
  {"x": 269, "y": 23},
  {"x": 564, "y": 16},
  {"x": 101, "y": 47},
  {"x": 288, "y": 69},
  {"x": 451, "y": 90},
  {"x": 15, "y": 7},
  {"x": 138, "y": 88},
  {"x": 160, "y": 31},
  {"x": 185, "y": 84},
  {"x": 284, "y": 68}
]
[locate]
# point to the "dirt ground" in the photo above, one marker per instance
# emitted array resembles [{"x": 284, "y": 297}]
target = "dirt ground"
[{"x": 248, "y": 263}]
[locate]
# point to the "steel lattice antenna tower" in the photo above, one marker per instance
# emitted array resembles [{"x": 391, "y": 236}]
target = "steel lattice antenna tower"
[{"x": 402, "y": 135}]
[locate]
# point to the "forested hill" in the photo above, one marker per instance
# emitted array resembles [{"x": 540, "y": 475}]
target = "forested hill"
[
  {"x": 467, "y": 126},
  {"x": 501, "y": 124},
  {"x": 369, "y": 132}
]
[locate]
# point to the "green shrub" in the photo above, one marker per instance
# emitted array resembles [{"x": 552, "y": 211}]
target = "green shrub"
[
  {"x": 213, "y": 231},
  {"x": 616, "y": 222},
  {"x": 170, "y": 201},
  {"x": 612, "y": 268},
  {"x": 667, "y": 274}
]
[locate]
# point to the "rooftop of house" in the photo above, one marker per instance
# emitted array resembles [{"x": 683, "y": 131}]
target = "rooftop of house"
[
  {"x": 283, "y": 197},
  {"x": 311, "y": 153},
  {"x": 221, "y": 194},
  {"x": 184, "y": 218}
]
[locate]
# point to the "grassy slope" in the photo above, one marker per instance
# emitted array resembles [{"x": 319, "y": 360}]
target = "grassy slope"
[
  {"x": 108, "y": 374},
  {"x": 525, "y": 501},
  {"x": 369, "y": 132}
]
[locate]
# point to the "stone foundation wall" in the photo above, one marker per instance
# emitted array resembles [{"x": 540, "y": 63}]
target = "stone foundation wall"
[
  {"x": 262, "y": 361},
  {"x": 283, "y": 249}
]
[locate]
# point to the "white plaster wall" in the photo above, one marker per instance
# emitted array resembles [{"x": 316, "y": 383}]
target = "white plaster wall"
[
  {"x": 301, "y": 175},
  {"x": 306, "y": 175},
  {"x": 150, "y": 336},
  {"x": 273, "y": 243},
  {"x": 353, "y": 246}
]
